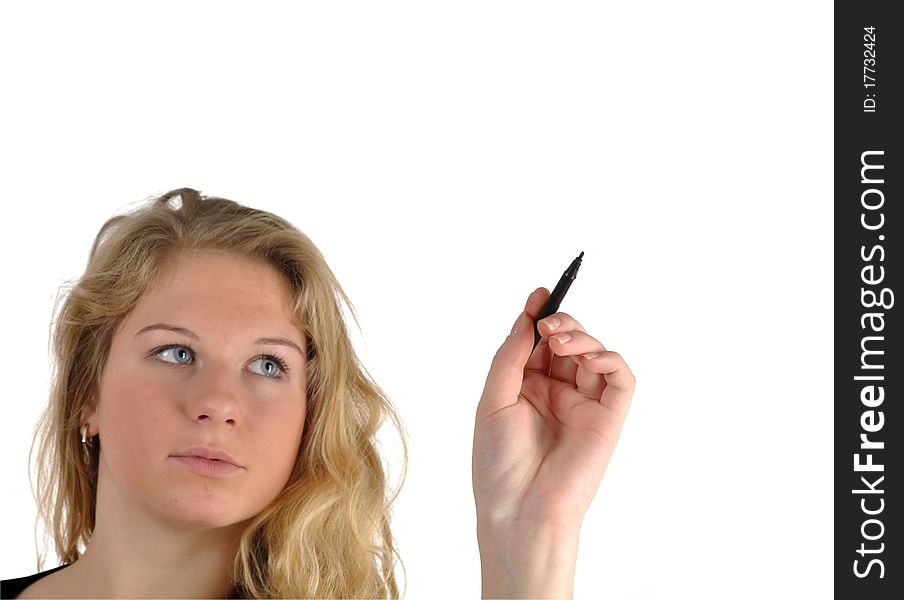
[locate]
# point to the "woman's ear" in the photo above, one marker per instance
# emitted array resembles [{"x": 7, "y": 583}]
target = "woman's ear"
[{"x": 88, "y": 413}]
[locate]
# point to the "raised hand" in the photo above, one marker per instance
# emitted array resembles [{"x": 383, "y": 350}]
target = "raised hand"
[{"x": 547, "y": 423}]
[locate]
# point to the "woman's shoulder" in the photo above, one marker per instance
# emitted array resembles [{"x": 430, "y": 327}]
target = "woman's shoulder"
[{"x": 11, "y": 588}]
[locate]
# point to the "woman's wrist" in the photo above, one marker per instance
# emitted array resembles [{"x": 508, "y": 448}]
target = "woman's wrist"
[{"x": 524, "y": 560}]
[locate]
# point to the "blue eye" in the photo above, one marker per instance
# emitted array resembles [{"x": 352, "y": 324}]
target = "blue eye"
[
  {"x": 180, "y": 352},
  {"x": 273, "y": 367},
  {"x": 276, "y": 367}
]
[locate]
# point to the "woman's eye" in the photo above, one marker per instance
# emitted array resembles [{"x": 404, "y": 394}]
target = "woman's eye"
[
  {"x": 177, "y": 352},
  {"x": 271, "y": 366}
]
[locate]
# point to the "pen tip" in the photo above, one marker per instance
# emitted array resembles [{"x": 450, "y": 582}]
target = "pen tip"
[{"x": 581, "y": 255}]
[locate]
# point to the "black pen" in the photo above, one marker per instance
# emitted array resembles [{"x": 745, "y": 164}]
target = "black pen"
[{"x": 555, "y": 298}]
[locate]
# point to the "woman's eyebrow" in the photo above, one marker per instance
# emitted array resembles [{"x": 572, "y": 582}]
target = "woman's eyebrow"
[{"x": 270, "y": 341}]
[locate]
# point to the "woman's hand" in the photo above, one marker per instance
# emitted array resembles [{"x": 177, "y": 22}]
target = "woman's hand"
[{"x": 547, "y": 424}]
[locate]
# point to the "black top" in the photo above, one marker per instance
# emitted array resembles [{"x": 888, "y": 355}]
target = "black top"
[{"x": 10, "y": 588}]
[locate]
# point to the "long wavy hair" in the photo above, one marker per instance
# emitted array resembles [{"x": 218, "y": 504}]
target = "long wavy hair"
[{"x": 327, "y": 534}]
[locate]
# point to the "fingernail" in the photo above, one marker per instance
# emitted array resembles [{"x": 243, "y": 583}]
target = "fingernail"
[
  {"x": 564, "y": 337},
  {"x": 592, "y": 355},
  {"x": 553, "y": 322}
]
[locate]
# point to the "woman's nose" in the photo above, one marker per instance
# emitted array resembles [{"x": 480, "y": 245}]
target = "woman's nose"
[{"x": 215, "y": 393}]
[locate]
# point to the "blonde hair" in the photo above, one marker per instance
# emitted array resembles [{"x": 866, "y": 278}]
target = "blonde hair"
[{"x": 327, "y": 534}]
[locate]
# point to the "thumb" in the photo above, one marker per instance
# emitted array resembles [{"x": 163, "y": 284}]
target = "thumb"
[{"x": 507, "y": 370}]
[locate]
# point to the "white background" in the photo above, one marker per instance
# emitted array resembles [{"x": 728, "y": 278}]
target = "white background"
[{"x": 448, "y": 159}]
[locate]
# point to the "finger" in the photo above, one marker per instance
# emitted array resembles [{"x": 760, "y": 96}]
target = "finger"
[
  {"x": 535, "y": 301},
  {"x": 541, "y": 357},
  {"x": 503, "y": 383},
  {"x": 620, "y": 382},
  {"x": 569, "y": 363},
  {"x": 547, "y": 326}
]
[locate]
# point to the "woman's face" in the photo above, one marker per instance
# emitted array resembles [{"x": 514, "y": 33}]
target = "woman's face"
[{"x": 155, "y": 402}]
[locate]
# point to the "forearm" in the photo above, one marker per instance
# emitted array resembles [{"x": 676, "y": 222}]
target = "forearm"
[{"x": 521, "y": 561}]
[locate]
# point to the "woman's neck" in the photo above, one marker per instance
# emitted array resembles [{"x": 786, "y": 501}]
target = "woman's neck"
[
  {"x": 135, "y": 553},
  {"x": 103, "y": 573}
]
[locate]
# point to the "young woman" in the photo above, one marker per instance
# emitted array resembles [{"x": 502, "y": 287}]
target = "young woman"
[{"x": 205, "y": 345}]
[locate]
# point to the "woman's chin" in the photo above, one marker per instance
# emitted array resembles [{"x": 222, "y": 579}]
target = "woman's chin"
[{"x": 202, "y": 511}]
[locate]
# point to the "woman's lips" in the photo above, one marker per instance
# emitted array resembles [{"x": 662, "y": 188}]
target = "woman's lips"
[{"x": 207, "y": 467}]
